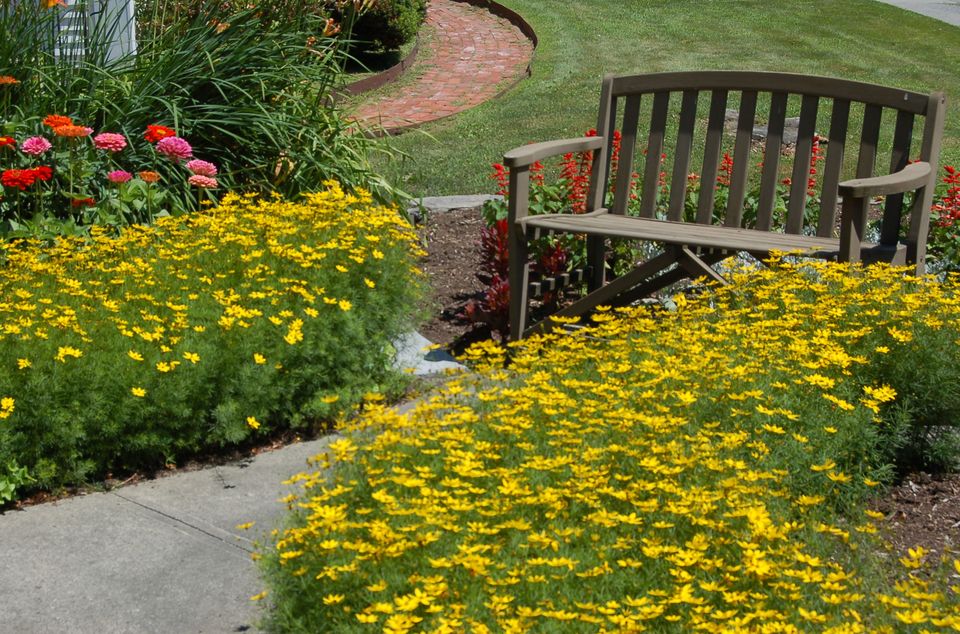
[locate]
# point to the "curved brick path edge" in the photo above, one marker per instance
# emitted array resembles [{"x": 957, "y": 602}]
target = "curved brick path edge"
[{"x": 468, "y": 55}]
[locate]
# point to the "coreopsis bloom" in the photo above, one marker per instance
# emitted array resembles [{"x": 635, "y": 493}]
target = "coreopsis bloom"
[
  {"x": 148, "y": 176},
  {"x": 73, "y": 131},
  {"x": 110, "y": 141},
  {"x": 56, "y": 120},
  {"x": 203, "y": 182},
  {"x": 203, "y": 168},
  {"x": 7, "y": 80},
  {"x": 175, "y": 148},
  {"x": 156, "y": 132},
  {"x": 119, "y": 176},
  {"x": 35, "y": 146}
]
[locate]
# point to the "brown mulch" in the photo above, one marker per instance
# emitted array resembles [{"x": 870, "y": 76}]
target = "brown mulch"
[
  {"x": 453, "y": 258},
  {"x": 923, "y": 510}
]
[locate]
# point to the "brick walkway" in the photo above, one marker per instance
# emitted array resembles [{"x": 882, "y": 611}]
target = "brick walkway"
[{"x": 467, "y": 56}]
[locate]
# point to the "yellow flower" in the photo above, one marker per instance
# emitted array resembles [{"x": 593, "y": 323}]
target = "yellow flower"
[
  {"x": 259, "y": 359},
  {"x": 253, "y": 422},
  {"x": 23, "y": 364},
  {"x": 192, "y": 357},
  {"x": 136, "y": 356},
  {"x": 344, "y": 305},
  {"x": 63, "y": 352},
  {"x": 245, "y": 526},
  {"x": 139, "y": 392},
  {"x": 6, "y": 407},
  {"x": 258, "y": 597}
]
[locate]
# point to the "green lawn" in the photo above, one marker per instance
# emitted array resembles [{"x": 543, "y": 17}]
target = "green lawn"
[{"x": 856, "y": 39}]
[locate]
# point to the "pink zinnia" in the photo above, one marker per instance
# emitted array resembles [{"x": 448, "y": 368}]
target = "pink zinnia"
[
  {"x": 203, "y": 168},
  {"x": 110, "y": 141},
  {"x": 175, "y": 148},
  {"x": 35, "y": 145},
  {"x": 204, "y": 182},
  {"x": 119, "y": 176}
]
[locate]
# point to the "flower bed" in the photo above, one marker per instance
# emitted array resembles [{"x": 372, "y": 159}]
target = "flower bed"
[
  {"x": 704, "y": 469},
  {"x": 75, "y": 179},
  {"x": 206, "y": 330}
]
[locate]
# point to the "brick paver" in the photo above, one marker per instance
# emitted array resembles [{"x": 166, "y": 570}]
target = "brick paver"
[{"x": 467, "y": 56}]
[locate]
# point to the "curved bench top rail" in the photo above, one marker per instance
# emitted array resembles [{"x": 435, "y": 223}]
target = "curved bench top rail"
[{"x": 790, "y": 83}]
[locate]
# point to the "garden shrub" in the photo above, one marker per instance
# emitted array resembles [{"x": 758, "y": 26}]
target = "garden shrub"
[
  {"x": 704, "y": 469},
  {"x": 203, "y": 331},
  {"x": 389, "y": 24},
  {"x": 250, "y": 89}
]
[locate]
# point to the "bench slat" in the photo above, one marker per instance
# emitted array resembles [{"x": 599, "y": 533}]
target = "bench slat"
[
  {"x": 686, "y": 233},
  {"x": 651, "y": 173},
  {"x": 902, "y": 137},
  {"x": 839, "y": 119},
  {"x": 792, "y": 83},
  {"x": 681, "y": 165},
  {"x": 711, "y": 156},
  {"x": 801, "y": 163},
  {"x": 771, "y": 161},
  {"x": 741, "y": 158},
  {"x": 868, "y": 140},
  {"x": 628, "y": 144}
]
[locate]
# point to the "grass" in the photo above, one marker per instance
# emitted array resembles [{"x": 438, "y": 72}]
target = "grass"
[{"x": 860, "y": 40}]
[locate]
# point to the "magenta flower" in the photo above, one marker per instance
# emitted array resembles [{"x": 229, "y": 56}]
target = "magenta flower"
[
  {"x": 110, "y": 141},
  {"x": 203, "y": 182},
  {"x": 35, "y": 145},
  {"x": 119, "y": 176},
  {"x": 203, "y": 168},
  {"x": 175, "y": 148}
]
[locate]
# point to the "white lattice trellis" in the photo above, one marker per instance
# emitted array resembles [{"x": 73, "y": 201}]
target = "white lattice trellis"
[{"x": 81, "y": 18}]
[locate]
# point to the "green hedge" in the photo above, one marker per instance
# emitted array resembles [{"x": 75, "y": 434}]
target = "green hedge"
[
  {"x": 200, "y": 332},
  {"x": 388, "y": 24}
]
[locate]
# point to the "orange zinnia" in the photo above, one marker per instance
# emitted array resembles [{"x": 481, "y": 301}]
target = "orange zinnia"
[
  {"x": 57, "y": 120},
  {"x": 72, "y": 131},
  {"x": 8, "y": 80},
  {"x": 149, "y": 177}
]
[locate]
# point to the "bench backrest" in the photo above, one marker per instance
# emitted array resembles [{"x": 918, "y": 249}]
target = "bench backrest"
[{"x": 623, "y": 97}]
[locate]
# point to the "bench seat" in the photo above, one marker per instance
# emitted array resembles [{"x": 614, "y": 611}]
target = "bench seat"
[{"x": 691, "y": 234}]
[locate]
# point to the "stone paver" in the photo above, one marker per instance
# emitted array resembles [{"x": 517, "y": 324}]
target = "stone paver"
[
  {"x": 468, "y": 56},
  {"x": 944, "y": 10}
]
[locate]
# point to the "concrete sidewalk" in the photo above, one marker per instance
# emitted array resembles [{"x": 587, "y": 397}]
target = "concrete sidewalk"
[
  {"x": 160, "y": 556},
  {"x": 944, "y": 10}
]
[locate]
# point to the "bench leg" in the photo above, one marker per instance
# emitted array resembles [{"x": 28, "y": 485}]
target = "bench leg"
[
  {"x": 519, "y": 280},
  {"x": 696, "y": 267},
  {"x": 596, "y": 259},
  {"x": 853, "y": 223}
]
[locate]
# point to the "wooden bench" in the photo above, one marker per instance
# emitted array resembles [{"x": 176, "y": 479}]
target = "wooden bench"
[{"x": 691, "y": 247}]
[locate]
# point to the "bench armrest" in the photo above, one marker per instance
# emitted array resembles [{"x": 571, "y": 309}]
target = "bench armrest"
[
  {"x": 529, "y": 154},
  {"x": 911, "y": 177}
]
